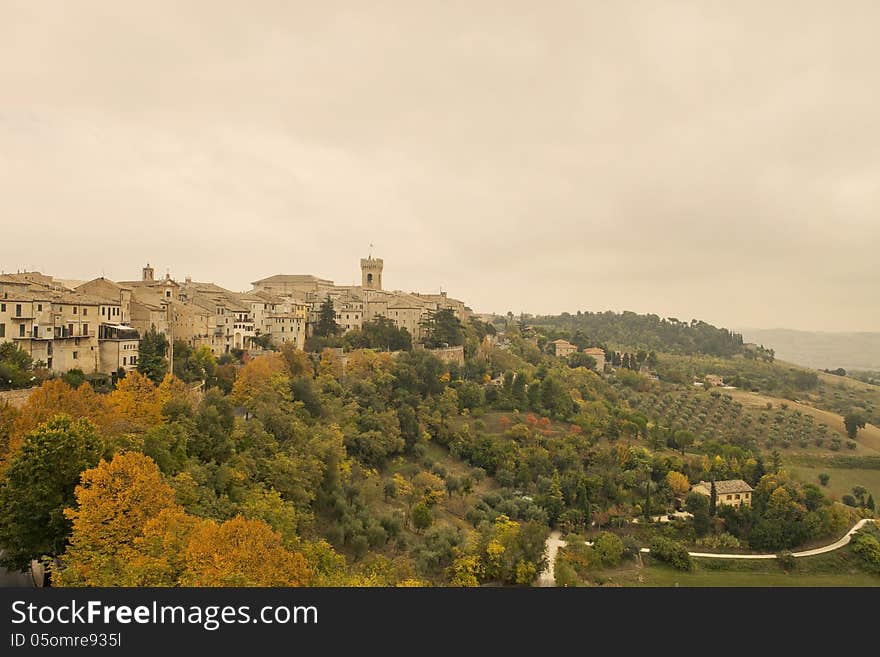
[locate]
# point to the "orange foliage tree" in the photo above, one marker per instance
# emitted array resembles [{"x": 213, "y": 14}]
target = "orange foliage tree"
[{"x": 241, "y": 552}]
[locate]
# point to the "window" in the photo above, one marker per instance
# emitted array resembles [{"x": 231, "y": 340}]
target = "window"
[
  {"x": 75, "y": 355},
  {"x": 123, "y": 361},
  {"x": 21, "y": 330},
  {"x": 18, "y": 310},
  {"x": 85, "y": 329},
  {"x": 39, "y": 307},
  {"x": 2, "y": 307},
  {"x": 736, "y": 497},
  {"x": 75, "y": 310},
  {"x": 69, "y": 330},
  {"x": 167, "y": 294},
  {"x": 2, "y": 330},
  {"x": 103, "y": 311},
  {"x": 85, "y": 311},
  {"x": 728, "y": 497}
]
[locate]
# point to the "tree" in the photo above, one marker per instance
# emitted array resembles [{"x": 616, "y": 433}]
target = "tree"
[
  {"x": 326, "y": 325},
  {"x": 241, "y": 552},
  {"x": 698, "y": 506},
  {"x": 713, "y": 499},
  {"x": 115, "y": 500},
  {"x": 152, "y": 355},
  {"x": 678, "y": 483},
  {"x": 580, "y": 359},
  {"x": 442, "y": 329},
  {"x": 853, "y": 421},
  {"x": 608, "y": 548},
  {"x": 824, "y": 478},
  {"x": 39, "y": 484},
  {"x": 15, "y": 366},
  {"x": 683, "y": 439},
  {"x": 421, "y": 517}
]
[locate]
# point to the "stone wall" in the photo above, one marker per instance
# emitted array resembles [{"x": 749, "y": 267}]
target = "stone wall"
[
  {"x": 16, "y": 398},
  {"x": 450, "y": 354}
]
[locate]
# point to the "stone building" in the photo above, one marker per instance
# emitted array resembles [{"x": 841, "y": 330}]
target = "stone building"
[
  {"x": 731, "y": 492},
  {"x": 563, "y": 348}
]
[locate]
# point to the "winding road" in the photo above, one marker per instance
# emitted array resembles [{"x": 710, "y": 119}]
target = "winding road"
[{"x": 554, "y": 542}]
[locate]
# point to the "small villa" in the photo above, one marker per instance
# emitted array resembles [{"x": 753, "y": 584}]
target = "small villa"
[
  {"x": 563, "y": 348},
  {"x": 734, "y": 492}
]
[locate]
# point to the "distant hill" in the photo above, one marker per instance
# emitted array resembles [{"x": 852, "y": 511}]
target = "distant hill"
[{"x": 820, "y": 350}]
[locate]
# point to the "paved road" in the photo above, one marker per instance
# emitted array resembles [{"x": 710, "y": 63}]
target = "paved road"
[{"x": 554, "y": 542}]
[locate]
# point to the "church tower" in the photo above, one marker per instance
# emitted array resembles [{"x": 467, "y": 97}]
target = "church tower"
[
  {"x": 147, "y": 273},
  {"x": 371, "y": 273}
]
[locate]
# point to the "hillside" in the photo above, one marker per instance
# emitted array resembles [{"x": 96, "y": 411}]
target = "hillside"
[{"x": 820, "y": 350}]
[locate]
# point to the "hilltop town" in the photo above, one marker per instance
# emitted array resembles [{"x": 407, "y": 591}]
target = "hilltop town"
[{"x": 95, "y": 326}]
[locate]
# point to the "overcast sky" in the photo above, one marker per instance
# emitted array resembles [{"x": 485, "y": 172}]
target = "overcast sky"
[{"x": 717, "y": 160}]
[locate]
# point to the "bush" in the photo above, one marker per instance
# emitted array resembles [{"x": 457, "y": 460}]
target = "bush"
[
  {"x": 867, "y": 547},
  {"x": 824, "y": 478},
  {"x": 609, "y": 549},
  {"x": 786, "y": 561},
  {"x": 671, "y": 552}
]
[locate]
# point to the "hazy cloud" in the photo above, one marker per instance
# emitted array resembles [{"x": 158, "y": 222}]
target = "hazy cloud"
[{"x": 694, "y": 159}]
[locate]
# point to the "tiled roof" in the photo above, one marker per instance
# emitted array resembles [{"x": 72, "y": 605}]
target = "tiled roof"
[{"x": 726, "y": 486}]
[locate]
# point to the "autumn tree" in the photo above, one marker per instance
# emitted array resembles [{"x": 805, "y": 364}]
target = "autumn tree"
[
  {"x": 114, "y": 502},
  {"x": 264, "y": 377},
  {"x": 39, "y": 484},
  {"x": 53, "y": 398},
  {"x": 241, "y": 552},
  {"x": 678, "y": 483}
]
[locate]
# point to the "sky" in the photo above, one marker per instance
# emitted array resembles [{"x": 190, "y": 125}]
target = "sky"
[{"x": 709, "y": 160}]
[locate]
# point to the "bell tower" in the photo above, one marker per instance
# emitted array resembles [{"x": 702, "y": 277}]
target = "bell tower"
[
  {"x": 371, "y": 273},
  {"x": 147, "y": 274}
]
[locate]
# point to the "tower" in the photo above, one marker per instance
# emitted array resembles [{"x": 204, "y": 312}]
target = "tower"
[
  {"x": 147, "y": 273},
  {"x": 371, "y": 273}
]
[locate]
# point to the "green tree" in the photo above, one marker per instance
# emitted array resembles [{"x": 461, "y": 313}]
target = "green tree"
[
  {"x": 326, "y": 326},
  {"x": 853, "y": 421},
  {"x": 152, "y": 351},
  {"x": 698, "y": 505},
  {"x": 39, "y": 484},
  {"x": 442, "y": 329},
  {"x": 609, "y": 549},
  {"x": 15, "y": 367},
  {"x": 421, "y": 517}
]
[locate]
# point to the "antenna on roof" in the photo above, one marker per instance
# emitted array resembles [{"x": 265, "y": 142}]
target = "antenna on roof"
[{"x": 370, "y": 256}]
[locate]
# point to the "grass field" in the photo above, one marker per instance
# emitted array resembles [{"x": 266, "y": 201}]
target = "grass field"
[
  {"x": 842, "y": 479},
  {"x": 664, "y": 576}
]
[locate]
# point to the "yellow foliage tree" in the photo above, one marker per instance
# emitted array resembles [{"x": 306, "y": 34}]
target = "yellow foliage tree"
[
  {"x": 241, "y": 552},
  {"x": 330, "y": 365},
  {"x": 264, "y": 375},
  {"x": 678, "y": 482},
  {"x": 173, "y": 388},
  {"x": 53, "y": 398},
  {"x": 115, "y": 500},
  {"x": 133, "y": 407}
]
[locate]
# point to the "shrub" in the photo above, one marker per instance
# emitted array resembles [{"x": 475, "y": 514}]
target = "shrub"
[
  {"x": 786, "y": 561},
  {"x": 867, "y": 547},
  {"x": 608, "y": 548},
  {"x": 671, "y": 552}
]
